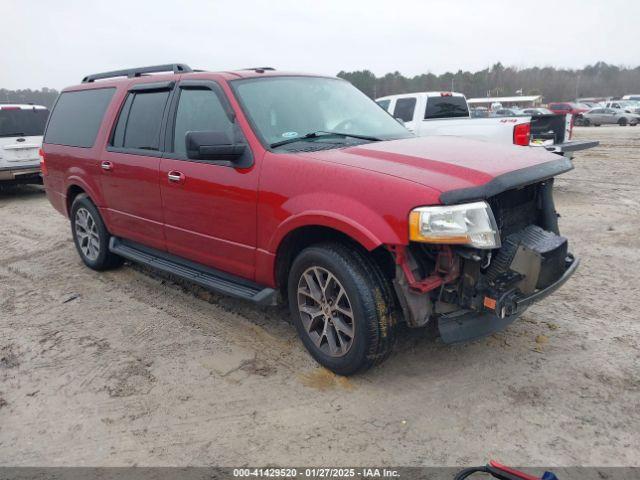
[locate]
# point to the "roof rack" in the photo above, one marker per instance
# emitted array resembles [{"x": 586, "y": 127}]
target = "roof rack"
[
  {"x": 259, "y": 69},
  {"x": 137, "y": 72}
]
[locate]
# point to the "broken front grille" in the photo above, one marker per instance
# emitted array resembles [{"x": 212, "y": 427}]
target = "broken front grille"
[{"x": 515, "y": 209}]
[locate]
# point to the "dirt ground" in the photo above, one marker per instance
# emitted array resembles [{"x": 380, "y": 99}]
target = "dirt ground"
[{"x": 125, "y": 367}]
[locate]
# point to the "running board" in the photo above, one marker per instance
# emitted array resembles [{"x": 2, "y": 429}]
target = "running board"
[{"x": 206, "y": 277}]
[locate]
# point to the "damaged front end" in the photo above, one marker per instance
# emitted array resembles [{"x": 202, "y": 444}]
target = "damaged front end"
[{"x": 472, "y": 292}]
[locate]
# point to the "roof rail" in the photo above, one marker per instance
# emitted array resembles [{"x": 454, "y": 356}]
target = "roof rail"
[
  {"x": 137, "y": 72},
  {"x": 259, "y": 69}
]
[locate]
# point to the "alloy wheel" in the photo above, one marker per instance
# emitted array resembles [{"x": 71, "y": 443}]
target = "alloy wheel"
[
  {"x": 87, "y": 234},
  {"x": 325, "y": 310}
]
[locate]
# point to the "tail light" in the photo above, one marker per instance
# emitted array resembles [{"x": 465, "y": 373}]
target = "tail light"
[
  {"x": 43, "y": 164},
  {"x": 522, "y": 134}
]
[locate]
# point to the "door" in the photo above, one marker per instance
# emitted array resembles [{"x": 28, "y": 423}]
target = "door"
[
  {"x": 609, "y": 116},
  {"x": 130, "y": 167},
  {"x": 209, "y": 205}
]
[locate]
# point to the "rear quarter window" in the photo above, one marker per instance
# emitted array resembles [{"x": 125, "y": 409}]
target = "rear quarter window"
[{"x": 77, "y": 116}]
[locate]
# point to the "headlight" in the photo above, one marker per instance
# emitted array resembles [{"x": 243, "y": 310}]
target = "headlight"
[{"x": 469, "y": 224}]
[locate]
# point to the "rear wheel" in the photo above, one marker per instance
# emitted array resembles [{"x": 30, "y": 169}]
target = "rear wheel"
[
  {"x": 342, "y": 307},
  {"x": 622, "y": 122},
  {"x": 91, "y": 236}
]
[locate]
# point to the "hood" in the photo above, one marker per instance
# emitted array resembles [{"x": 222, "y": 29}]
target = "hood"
[{"x": 450, "y": 164}]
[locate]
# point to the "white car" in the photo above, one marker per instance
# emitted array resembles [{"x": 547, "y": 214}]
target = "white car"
[
  {"x": 21, "y": 129},
  {"x": 629, "y": 106}
]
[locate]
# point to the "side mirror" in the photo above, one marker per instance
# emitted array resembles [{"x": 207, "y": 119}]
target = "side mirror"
[{"x": 211, "y": 145}]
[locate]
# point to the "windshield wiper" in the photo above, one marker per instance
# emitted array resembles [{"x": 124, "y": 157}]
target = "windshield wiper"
[{"x": 323, "y": 133}]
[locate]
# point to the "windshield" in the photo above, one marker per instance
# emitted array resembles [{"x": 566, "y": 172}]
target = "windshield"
[
  {"x": 283, "y": 108},
  {"x": 18, "y": 122}
]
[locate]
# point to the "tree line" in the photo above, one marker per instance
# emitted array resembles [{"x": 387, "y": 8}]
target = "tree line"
[
  {"x": 554, "y": 84},
  {"x": 45, "y": 96}
]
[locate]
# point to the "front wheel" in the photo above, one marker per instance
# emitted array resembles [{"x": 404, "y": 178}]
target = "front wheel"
[
  {"x": 342, "y": 307},
  {"x": 586, "y": 122},
  {"x": 91, "y": 236},
  {"x": 622, "y": 122}
]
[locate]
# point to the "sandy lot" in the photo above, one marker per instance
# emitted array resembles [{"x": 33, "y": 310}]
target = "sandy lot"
[{"x": 125, "y": 367}]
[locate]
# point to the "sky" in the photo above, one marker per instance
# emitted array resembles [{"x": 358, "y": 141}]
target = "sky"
[{"x": 57, "y": 42}]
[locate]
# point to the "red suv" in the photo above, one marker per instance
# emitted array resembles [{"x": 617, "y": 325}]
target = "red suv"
[{"x": 279, "y": 187}]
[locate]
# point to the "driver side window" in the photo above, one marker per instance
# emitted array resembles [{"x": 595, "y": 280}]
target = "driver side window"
[{"x": 199, "y": 110}]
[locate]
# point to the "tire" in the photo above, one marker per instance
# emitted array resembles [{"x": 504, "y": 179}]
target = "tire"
[
  {"x": 596, "y": 124},
  {"x": 88, "y": 229},
  {"x": 622, "y": 122},
  {"x": 336, "y": 268},
  {"x": 586, "y": 122}
]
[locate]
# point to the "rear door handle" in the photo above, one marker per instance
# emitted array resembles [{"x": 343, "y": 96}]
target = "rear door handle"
[
  {"x": 106, "y": 165},
  {"x": 175, "y": 177}
]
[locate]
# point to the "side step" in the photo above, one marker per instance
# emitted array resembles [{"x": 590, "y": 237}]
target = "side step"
[{"x": 206, "y": 277}]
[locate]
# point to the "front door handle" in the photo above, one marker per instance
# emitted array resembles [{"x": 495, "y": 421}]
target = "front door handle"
[
  {"x": 106, "y": 166},
  {"x": 175, "y": 177}
]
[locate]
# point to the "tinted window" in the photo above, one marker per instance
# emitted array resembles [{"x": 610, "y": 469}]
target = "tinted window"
[
  {"x": 446, "y": 107},
  {"x": 77, "y": 116},
  {"x": 18, "y": 122},
  {"x": 138, "y": 126},
  {"x": 560, "y": 107},
  {"x": 118, "y": 136},
  {"x": 597, "y": 110},
  {"x": 404, "y": 109},
  {"x": 199, "y": 110},
  {"x": 384, "y": 104}
]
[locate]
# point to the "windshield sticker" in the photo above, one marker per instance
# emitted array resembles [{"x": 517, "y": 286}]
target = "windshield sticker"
[{"x": 289, "y": 134}]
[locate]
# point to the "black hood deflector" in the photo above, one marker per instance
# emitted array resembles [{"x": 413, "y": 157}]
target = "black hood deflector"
[{"x": 508, "y": 181}]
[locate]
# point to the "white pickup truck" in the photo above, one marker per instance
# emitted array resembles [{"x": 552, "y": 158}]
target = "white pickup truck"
[{"x": 447, "y": 113}]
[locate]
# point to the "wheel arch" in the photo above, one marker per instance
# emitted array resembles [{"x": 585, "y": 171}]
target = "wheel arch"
[
  {"x": 74, "y": 187},
  {"x": 303, "y": 236},
  {"x": 73, "y": 191}
]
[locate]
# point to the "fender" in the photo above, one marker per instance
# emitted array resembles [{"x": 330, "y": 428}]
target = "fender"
[
  {"x": 265, "y": 260},
  {"x": 342, "y": 223},
  {"x": 76, "y": 178}
]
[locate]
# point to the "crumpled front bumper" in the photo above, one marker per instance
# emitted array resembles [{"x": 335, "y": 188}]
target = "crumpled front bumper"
[{"x": 465, "y": 326}]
